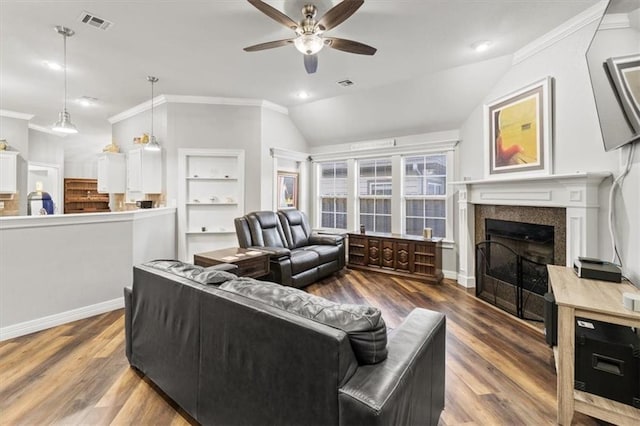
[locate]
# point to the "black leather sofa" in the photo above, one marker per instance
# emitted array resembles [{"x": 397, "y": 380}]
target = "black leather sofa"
[
  {"x": 299, "y": 257},
  {"x": 236, "y": 351}
]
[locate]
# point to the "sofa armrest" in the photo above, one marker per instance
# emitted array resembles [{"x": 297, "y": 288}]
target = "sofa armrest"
[
  {"x": 406, "y": 388},
  {"x": 326, "y": 239},
  {"x": 274, "y": 252}
]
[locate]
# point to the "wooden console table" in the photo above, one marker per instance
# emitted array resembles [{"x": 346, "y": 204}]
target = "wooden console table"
[
  {"x": 404, "y": 255},
  {"x": 251, "y": 263},
  {"x": 601, "y": 301}
]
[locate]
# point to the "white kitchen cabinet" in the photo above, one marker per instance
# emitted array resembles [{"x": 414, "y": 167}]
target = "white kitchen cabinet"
[
  {"x": 210, "y": 197},
  {"x": 144, "y": 171},
  {"x": 8, "y": 172},
  {"x": 111, "y": 173}
]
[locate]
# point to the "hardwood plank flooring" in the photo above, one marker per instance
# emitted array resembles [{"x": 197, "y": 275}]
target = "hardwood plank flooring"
[{"x": 499, "y": 370}]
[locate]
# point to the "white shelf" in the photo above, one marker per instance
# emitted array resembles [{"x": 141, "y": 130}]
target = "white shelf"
[
  {"x": 201, "y": 174},
  {"x": 210, "y": 232},
  {"x": 211, "y": 204},
  {"x": 224, "y": 179}
]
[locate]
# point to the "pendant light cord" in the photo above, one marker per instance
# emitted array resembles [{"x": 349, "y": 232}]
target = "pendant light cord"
[{"x": 64, "y": 36}]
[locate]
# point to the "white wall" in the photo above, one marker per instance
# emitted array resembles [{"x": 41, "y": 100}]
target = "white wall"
[
  {"x": 278, "y": 131},
  {"x": 215, "y": 127},
  {"x": 577, "y": 144},
  {"x": 42, "y": 285}
]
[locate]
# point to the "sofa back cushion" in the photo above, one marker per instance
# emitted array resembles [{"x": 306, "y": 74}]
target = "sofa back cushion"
[
  {"x": 363, "y": 324},
  {"x": 266, "y": 230},
  {"x": 195, "y": 273},
  {"x": 296, "y": 227}
]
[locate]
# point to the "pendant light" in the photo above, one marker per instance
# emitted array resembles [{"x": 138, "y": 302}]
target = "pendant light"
[
  {"x": 153, "y": 144},
  {"x": 64, "y": 124}
]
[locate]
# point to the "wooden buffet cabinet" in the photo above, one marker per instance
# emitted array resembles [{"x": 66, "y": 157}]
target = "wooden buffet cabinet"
[{"x": 404, "y": 255}]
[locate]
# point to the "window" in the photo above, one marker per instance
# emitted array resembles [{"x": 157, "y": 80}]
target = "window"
[
  {"x": 374, "y": 191},
  {"x": 333, "y": 195},
  {"x": 425, "y": 194}
]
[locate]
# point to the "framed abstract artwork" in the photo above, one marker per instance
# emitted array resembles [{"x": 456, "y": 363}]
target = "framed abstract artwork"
[
  {"x": 518, "y": 132},
  {"x": 287, "y": 190}
]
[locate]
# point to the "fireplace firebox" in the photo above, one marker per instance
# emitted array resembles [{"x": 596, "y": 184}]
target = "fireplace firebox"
[{"x": 511, "y": 266}]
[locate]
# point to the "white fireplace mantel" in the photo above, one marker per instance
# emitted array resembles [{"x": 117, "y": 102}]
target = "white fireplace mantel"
[{"x": 577, "y": 193}]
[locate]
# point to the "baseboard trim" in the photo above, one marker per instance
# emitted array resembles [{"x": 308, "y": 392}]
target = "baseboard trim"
[
  {"x": 465, "y": 281},
  {"x": 450, "y": 275},
  {"x": 28, "y": 327}
]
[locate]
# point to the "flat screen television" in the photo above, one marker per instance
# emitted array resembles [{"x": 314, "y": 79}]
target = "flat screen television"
[{"x": 613, "y": 59}]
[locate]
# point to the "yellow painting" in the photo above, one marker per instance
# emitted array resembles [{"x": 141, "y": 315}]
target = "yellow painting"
[
  {"x": 517, "y": 140},
  {"x": 518, "y": 132}
]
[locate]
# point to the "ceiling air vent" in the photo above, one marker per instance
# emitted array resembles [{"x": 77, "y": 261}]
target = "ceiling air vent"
[
  {"x": 346, "y": 83},
  {"x": 94, "y": 21}
]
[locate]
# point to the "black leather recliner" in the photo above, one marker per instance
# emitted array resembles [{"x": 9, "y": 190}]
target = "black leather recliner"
[{"x": 299, "y": 257}]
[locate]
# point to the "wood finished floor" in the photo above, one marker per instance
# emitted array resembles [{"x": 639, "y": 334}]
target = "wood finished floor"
[{"x": 498, "y": 370}]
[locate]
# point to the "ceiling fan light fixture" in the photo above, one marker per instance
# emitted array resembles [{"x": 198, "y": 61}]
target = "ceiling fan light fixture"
[{"x": 309, "y": 44}]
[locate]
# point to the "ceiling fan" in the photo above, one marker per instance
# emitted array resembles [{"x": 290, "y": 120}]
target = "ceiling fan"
[{"x": 310, "y": 39}]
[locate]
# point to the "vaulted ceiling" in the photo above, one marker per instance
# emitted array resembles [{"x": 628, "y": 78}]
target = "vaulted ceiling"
[{"x": 424, "y": 77}]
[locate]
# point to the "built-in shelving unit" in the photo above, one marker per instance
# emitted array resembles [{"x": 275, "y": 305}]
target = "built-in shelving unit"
[
  {"x": 210, "y": 197},
  {"x": 82, "y": 196}
]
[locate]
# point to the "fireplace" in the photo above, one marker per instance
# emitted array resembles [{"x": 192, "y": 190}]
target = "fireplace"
[
  {"x": 575, "y": 195},
  {"x": 511, "y": 270}
]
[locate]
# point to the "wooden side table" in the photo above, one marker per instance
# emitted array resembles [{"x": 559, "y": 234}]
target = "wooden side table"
[
  {"x": 251, "y": 263},
  {"x": 601, "y": 301}
]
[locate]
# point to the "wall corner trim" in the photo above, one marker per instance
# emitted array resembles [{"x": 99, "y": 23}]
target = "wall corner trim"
[
  {"x": 561, "y": 32},
  {"x": 15, "y": 114},
  {"x": 187, "y": 99}
]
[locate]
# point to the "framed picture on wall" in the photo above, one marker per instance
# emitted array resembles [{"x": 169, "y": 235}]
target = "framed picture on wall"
[
  {"x": 518, "y": 132},
  {"x": 287, "y": 190}
]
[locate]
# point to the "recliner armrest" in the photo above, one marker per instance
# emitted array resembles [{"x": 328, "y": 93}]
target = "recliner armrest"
[
  {"x": 326, "y": 239},
  {"x": 274, "y": 252},
  {"x": 407, "y": 387}
]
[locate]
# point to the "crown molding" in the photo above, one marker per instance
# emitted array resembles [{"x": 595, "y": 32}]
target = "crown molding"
[
  {"x": 289, "y": 155},
  {"x": 43, "y": 129},
  {"x": 561, "y": 32},
  {"x": 615, "y": 21},
  {"x": 425, "y": 147},
  {"x": 183, "y": 99},
  {"x": 14, "y": 114}
]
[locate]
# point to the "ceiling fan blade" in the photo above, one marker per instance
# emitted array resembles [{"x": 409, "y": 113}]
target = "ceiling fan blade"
[
  {"x": 311, "y": 63},
  {"x": 349, "y": 46},
  {"x": 274, "y": 14},
  {"x": 268, "y": 45},
  {"x": 339, "y": 13}
]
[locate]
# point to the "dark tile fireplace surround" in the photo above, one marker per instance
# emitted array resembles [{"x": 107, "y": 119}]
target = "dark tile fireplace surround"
[{"x": 513, "y": 246}]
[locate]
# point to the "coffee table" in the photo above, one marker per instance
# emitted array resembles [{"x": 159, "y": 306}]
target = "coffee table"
[{"x": 251, "y": 263}]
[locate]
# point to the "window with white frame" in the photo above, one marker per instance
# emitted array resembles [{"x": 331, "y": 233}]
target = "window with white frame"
[
  {"x": 374, "y": 193},
  {"x": 424, "y": 189},
  {"x": 333, "y": 194}
]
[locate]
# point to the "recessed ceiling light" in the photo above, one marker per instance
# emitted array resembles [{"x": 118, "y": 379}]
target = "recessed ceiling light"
[
  {"x": 52, "y": 65},
  {"x": 481, "y": 46},
  {"x": 87, "y": 101},
  {"x": 302, "y": 94}
]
